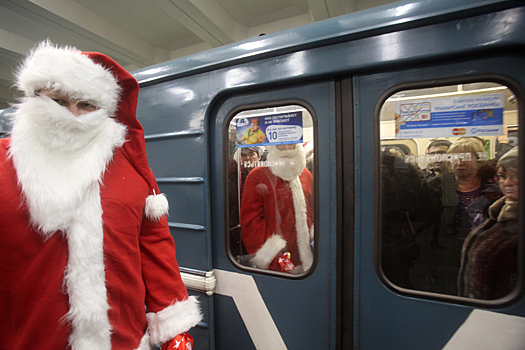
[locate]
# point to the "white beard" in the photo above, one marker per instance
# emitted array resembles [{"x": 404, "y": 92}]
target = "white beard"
[
  {"x": 60, "y": 159},
  {"x": 286, "y": 164}
]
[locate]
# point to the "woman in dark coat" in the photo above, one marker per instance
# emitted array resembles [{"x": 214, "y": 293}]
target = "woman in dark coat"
[{"x": 489, "y": 256}]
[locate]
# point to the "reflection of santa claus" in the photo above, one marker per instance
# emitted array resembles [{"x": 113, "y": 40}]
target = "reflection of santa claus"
[
  {"x": 277, "y": 210},
  {"x": 84, "y": 239}
]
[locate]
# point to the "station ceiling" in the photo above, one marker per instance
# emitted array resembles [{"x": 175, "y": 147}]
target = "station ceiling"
[{"x": 140, "y": 33}]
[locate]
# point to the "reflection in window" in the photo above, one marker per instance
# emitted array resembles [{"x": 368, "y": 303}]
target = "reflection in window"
[
  {"x": 271, "y": 189},
  {"x": 449, "y": 190}
]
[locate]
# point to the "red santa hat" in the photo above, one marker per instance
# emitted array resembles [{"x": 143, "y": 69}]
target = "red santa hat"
[{"x": 94, "y": 77}]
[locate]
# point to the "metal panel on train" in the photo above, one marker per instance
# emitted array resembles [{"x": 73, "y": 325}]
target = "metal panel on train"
[{"x": 367, "y": 288}]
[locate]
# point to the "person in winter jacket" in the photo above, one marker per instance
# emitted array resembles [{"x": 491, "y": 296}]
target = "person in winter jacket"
[{"x": 489, "y": 258}]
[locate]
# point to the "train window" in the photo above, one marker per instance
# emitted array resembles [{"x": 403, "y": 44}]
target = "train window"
[
  {"x": 271, "y": 189},
  {"x": 449, "y": 190}
]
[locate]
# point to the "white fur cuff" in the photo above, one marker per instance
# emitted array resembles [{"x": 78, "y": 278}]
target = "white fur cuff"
[
  {"x": 268, "y": 251},
  {"x": 175, "y": 319},
  {"x": 156, "y": 206}
]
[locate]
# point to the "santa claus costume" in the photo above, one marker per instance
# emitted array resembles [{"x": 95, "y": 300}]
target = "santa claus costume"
[
  {"x": 277, "y": 211},
  {"x": 86, "y": 257}
]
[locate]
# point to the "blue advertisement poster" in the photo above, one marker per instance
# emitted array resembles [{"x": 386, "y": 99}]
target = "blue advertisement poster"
[
  {"x": 270, "y": 130},
  {"x": 474, "y": 115}
]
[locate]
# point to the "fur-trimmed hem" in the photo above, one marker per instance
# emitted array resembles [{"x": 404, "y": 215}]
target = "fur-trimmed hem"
[
  {"x": 268, "y": 252},
  {"x": 173, "y": 320}
]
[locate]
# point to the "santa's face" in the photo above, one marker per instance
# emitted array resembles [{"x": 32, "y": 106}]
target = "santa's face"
[
  {"x": 60, "y": 123},
  {"x": 76, "y": 107},
  {"x": 60, "y": 151},
  {"x": 286, "y": 161}
]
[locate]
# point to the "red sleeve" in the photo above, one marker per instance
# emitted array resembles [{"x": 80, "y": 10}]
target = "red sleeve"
[
  {"x": 170, "y": 310},
  {"x": 159, "y": 266}
]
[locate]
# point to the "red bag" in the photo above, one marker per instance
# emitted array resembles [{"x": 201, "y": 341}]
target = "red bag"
[{"x": 182, "y": 341}]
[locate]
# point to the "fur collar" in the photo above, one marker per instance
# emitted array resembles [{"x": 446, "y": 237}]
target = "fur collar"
[{"x": 504, "y": 210}]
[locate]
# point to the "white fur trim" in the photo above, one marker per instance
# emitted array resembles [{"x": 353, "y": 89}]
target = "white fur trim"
[
  {"x": 67, "y": 70},
  {"x": 173, "y": 320},
  {"x": 85, "y": 277},
  {"x": 145, "y": 343},
  {"x": 59, "y": 160},
  {"x": 156, "y": 206},
  {"x": 268, "y": 251},
  {"x": 288, "y": 165},
  {"x": 301, "y": 224}
]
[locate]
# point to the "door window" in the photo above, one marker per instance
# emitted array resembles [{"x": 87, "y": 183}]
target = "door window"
[
  {"x": 449, "y": 190},
  {"x": 271, "y": 189}
]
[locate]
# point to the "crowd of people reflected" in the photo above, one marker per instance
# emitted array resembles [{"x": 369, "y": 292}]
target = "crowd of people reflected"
[{"x": 452, "y": 227}]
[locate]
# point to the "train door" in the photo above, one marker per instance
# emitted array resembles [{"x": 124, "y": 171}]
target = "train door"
[
  {"x": 262, "y": 302},
  {"x": 412, "y": 290}
]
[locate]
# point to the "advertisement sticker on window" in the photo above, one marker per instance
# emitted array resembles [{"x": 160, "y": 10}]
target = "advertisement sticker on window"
[
  {"x": 268, "y": 130},
  {"x": 475, "y": 115}
]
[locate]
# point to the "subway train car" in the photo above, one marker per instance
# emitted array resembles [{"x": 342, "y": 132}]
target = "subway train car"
[
  {"x": 371, "y": 247},
  {"x": 5, "y": 125}
]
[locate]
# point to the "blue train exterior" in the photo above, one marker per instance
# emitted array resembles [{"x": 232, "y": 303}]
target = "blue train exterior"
[
  {"x": 5, "y": 126},
  {"x": 341, "y": 70}
]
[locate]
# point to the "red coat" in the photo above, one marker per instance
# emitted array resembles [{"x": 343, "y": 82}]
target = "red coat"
[
  {"x": 139, "y": 261},
  {"x": 268, "y": 214}
]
